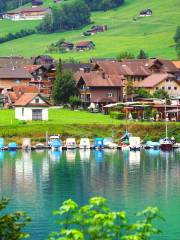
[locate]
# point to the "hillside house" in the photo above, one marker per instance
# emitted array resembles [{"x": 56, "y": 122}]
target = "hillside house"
[
  {"x": 99, "y": 88},
  {"x": 162, "y": 81},
  {"x": 42, "y": 60},
  {"x": 66, "y": 46},
  {"x": 36, "y": 3},
  {"x": 145, "y": 13},
  {"x": 30, "y": 107},
  {"x": 84, "y": 45},
  {"x": 35, "y": 13},
  {"x": 10, "y": 77}
]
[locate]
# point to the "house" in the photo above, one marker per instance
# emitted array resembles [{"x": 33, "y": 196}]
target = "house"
[
  {"x": 14, "y": 61},
  {"x": 31, "y": 106},
  {"x": 99, "y": 28},
  {"x": 10, "y": 77},
  {"x": 158, "y": 81},
  {"x": 34, "y": 13},
  {"x": 37, "y": 3},
  {"x": 66, "y": 46},
  {"x": 99, "y": 88},
  {"x": 84, "y": 45},
  {"x": 42, "y": 60},
  {"x": 145, "y": 13}
]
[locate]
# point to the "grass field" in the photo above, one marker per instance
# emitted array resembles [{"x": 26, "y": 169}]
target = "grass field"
[
  {"x": 79, "y": 124},
  {"x": 153, "y": 34}
]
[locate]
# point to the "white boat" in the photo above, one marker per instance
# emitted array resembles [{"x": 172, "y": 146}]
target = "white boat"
[
  {"x": 109, "y": 143},
  {"x": 84, "y": 143},
  {"x": 52, "y": 138},
  {"x": 26, "y": 144},
  {"x": 39, "y": 146},
  {"x": 135, "y": 143},
  {"x": 71, "y": 143}
]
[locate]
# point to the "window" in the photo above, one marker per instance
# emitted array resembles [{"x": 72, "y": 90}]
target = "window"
[
  {"x": 163, "y": 88},
  {"x": 109, "y": 94},
  {"x": 23, "y": 112},
  {"x": 36, "y": 114},
  {"x": 17, "y": 81},
  {"x": 167, "y": 80},
  {"x": 157, "y": 88},
  {"x": 36, "y": 100},
  {"x": 169, "y": 88},
  {"x": 175, "y": 88}
]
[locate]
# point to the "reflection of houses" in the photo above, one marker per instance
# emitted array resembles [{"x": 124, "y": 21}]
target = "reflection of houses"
[
  {"x": 28, "y": 14},
  {"x": 161, "y": 81},
  {"x": 31, "y": 106},
  {"x": 10, "y": 77},
  {"x": 96, "y": 87}
]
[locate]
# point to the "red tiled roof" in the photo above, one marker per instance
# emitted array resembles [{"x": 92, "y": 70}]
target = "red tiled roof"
[
  {"x": 83, "y": 43},
  {"x": 17, "y": 73},
  {"x": 177, "y": 64},
  {"x": 153, "y": 80},
  {"x": 96, "y": 79},
  {"x": 25, "y": 89},
  {"x": 26, "y": 98},
  {"x": 31, "y": 68}
]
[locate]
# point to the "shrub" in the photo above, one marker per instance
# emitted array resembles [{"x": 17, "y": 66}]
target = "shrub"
[
  {"x": 97, "y": 221},
  {"x": 117, "y": 115},
  {"x": 134, "y": 115}
]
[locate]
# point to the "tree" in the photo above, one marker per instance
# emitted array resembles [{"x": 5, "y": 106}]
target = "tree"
[
  {"x": 11, "y": 225},
  {"x": 64, "y": 86},
  {"x": 74, "y": 101},
  {"x": 143, "y": 93},
  {"x": 125, "y": 55},
  {"x": 97, "y": 221},
  {"x": 177, "y": 41},
  {"x": 142, "y": 54},
  {"x": 162, "y": 94},
  {"x": 103, "y": 4}
]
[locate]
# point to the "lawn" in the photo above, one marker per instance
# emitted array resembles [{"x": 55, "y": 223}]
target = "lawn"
[
  {"x": 153, "y": 34},
  {"x": 79, "y": 124}
]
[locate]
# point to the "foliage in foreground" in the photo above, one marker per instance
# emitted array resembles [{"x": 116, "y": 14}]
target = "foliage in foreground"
[
  {"x": 97, "y": 221},
  {"x": 11, "y": 225}
]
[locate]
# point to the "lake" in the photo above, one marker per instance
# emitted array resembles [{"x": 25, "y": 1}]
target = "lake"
[{"x": 39, "y": 181}]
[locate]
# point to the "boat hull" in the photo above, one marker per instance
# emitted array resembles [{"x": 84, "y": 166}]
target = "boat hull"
[{"x": 166, "y": 147}]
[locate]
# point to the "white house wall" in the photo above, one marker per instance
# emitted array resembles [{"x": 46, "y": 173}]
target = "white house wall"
[{"x": 27, "y": 116}]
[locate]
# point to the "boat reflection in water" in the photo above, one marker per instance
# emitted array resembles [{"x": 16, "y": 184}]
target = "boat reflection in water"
[
  {"x": 1, "y": 155},
  {"x": 70, "y": 155},
  {"x": 54, "y": 155},
  {"x": 99, "y": 155},
  {"x": 12, "y": 154},
  {"x": 134, "y": 158},
  {"x": 84, "y": 154}
]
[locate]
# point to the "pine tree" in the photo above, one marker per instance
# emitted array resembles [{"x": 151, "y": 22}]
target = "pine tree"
[{"x": 142, "y": 54}]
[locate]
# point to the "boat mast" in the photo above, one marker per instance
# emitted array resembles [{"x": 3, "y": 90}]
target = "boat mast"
[{"x": 166, "y": 119}]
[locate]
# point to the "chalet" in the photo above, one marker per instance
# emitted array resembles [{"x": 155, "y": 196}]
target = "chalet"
[
  {"x": 99, "y": 88},
  {"x": 84, "y": 45},
  {"x": 145, "y": 13},
  {"x": 37, "y": 3},
  {"x": 42, "y": 60},
  {"x": 95, "y": 29},
  {"x": 66, "y": 46},
  {"x": 10, "y": 77},
  {"x": 31, "y": 106},
  {"x": 36, "y": 13},
  {"x": 159, "y": 81}
]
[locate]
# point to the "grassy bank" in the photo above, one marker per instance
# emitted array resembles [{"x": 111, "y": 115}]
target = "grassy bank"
[
  {"x": 79, "y": 124},
  {"x": 153, "y": 34}
]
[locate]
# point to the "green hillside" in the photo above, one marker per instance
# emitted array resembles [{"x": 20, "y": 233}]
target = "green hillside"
[{"x": 153, "y": 34}]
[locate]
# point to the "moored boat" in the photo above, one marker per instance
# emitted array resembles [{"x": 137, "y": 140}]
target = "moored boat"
[
  {"x": 109, "y": 143},
  {"x": 26, "y": 144},
  {"x": 71, "y": 143},
  {"x": 98, "y": 143},
  {"x": 135, "y": 143},
  {"x": 84, "y": 143},
  {"x": 12, "y": 146},
  {"x": 39, "y": 146},
  {"x": 56, "y": 144},
  {"x": 152, "y": 145},
  {"x": 1, "y": 143},
  {"x": 166, "y": 144}
]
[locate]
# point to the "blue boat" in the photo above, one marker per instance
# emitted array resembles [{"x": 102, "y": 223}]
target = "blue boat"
[
  {"x": 12, "y": 146},
  {"x": 56, "y": 144},
  {"x": 1, "y": 143},
  {"x": 153, "y": 145},
  {"x": 99, "y": 143}
]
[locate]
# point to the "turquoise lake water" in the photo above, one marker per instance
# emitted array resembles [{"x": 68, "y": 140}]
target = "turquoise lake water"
[{"x": 39, "y": 181}]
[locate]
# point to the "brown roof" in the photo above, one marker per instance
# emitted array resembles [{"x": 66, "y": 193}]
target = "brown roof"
[
  {"x": 177, "y": 64},
  {"x": 153, "y": 80},
  {"x": 31, "y": 68},
  {"x": 123, "y": 68},
  {"x": 83, "y": 43},
  {"x": 96, "y": 79},
  {"x": 24, "y": 10},
  {"x": 16, "y": 73},
  {"x": 17, "y": 61},
  {"x": 26, "y": 98},
  {"x": 25, "y": 89}
]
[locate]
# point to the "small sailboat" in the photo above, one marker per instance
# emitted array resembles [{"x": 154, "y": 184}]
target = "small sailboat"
[
  {"x": 166, "y": 144},
  {"x": 98, "y": 143},
  {"x": 71, "y": 143},
  {"x": 12, "y": 146},
  {"x": 152, "y": 145},
  {"x": 84, "y": 143},
  {"x": 26, "y": 145}
]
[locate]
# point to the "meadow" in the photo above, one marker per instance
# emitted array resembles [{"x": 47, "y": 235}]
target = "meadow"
[
  {"x": 153, "y": 34},
  {"x": 79, "y": 124}
]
